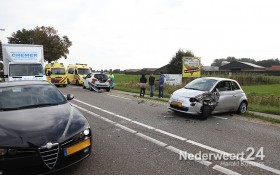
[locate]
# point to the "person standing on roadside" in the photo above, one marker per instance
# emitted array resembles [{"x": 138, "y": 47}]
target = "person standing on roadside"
[
  {"x": 152, "y": 84},
  {"x": 112, "y": 80},
  {"x": 160, "y": 85},
  {"x": 143, "y": 81}
]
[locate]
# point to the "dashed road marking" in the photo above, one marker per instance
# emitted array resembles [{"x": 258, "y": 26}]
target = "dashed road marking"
[
  {"x": 155, "y": 141},
  {"x": 224, "y": 170}
]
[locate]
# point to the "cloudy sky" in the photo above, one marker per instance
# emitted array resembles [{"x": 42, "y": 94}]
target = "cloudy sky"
[{"x": 130, "y": 34}]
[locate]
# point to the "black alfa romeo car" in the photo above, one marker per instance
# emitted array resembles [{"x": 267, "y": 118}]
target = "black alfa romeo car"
[{"x": 40, "y": 132}]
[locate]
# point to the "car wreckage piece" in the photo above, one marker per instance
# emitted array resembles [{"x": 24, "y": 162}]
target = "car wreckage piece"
[
  {"x": 94, "y": 88},
  {"x": 208, "y": 100}
]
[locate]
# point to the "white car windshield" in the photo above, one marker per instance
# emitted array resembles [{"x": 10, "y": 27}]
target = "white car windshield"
[
  {"x": 29, "y": 96},
  {"x": 201, "y": 84}
]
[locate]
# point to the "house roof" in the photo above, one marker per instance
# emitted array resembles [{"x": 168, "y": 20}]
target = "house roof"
[
  {"x": 253, "y": 65},
  {"x": 131, "y": 70}
]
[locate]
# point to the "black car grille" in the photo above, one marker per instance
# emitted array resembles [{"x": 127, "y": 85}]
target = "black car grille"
[{"x": 49, "y": 156}]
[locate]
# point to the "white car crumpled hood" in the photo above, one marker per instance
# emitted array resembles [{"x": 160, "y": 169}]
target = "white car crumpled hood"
[{"x": 186, "y": 93}]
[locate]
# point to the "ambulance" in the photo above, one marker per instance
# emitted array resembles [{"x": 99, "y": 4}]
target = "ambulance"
[
  {"x": 76, "y": 73},
  {"x": 56, "y": 73}
]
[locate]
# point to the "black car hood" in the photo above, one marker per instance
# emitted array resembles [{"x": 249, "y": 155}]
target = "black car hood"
[{"x": 37, "y": 126}]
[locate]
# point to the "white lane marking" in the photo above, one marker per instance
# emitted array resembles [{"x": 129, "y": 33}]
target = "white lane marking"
[
  {"x": 144, "y": 125},
  {"x": 190, "y": 141},
  {"x": 224, "y": 170},
  {"x": 173, "y": 149},
  {"x": 108, "y": 112},
  {"x": 208, "y": 147},
  {"x": 157, "y": 142},
  {"x": 262, "y": 166},
  {"x": 119, "y": 97},
  {"x": 94, "y": 114},
  {"x": 125, "y": 128},
  {"x": 178, "y": 151},
  {"x": 220, "y": 117},
  {"x": 204, "y": 162},
  {"x": 256, "y": 164},
  {"x": 171, "y": 135}
]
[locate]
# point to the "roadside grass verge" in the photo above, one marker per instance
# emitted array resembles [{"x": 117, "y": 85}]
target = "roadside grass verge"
[
  {"x": 264, "y": 108},
  {"x": 268, "y": 119},
  {"x": 263, "y": 90}
]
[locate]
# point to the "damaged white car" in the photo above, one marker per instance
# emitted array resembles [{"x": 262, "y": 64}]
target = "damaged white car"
[{"x": 204, "y": 96}]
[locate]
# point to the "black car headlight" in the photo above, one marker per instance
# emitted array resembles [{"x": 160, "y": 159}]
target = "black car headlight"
[
  {"x": 82, "y": 134},
  {"x": 3, "y": 151},
  {"x": 86, "y": 132}
]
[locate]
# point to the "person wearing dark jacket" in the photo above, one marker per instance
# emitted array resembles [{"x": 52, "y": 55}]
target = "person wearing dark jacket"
[
  {"x": 143, "y": 81},
  {"x": 152, "y": 84}
]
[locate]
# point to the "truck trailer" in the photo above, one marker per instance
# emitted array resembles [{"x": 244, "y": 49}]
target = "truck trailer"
[{"x": 23, "y": 62}]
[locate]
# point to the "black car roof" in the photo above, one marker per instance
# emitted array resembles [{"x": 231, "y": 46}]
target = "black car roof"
[{"x": 22, "y": 83}]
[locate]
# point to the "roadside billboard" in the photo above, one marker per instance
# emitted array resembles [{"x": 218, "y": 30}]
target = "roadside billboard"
[{"x": 191, "y": 67}]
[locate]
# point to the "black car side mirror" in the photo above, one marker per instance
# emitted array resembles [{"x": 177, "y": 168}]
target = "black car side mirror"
[
  {"x": 49, "y": 73},
  {"x": 70, "y": 97}
]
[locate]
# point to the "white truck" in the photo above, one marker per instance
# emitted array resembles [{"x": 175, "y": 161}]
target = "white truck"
[{"x": 23, "y": 62}]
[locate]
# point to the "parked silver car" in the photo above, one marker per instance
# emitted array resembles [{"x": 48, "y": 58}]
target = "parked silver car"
[
  {"x": 97, "y": 81},
  {"x": 204, "y": 96}
]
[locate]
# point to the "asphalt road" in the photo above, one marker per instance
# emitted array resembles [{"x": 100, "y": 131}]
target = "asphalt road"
[{"x": 138, "y": 136}]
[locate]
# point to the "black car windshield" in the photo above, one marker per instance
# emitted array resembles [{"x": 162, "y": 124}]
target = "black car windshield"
[
  {"x": 83, "y": 71},
  {"x": 29, "y": 96},
  {"x": 201, "y": 84}
]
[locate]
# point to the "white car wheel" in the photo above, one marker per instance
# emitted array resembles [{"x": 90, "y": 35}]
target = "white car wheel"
[{"x": 242, "y": 108}]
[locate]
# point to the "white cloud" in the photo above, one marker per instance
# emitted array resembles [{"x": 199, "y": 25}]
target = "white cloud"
[{"x": 147, "y": 33}]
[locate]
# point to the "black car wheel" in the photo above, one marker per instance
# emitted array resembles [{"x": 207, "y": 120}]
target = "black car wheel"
[
  {"x": 108, "y": 89},
  {"x": 206, "y": 111},
  {"x": 242, "y": 108}
]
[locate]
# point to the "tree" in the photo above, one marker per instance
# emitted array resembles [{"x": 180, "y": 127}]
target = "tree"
[
  {"x": 218, "y": 62},
  {"x": 55, "y": 46},
  {"x": 175, "y": 64},
  {"x": 21, "y": 37},
  {"x": 269, "y": 62},
  {"x": 116, "y": 71}
]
